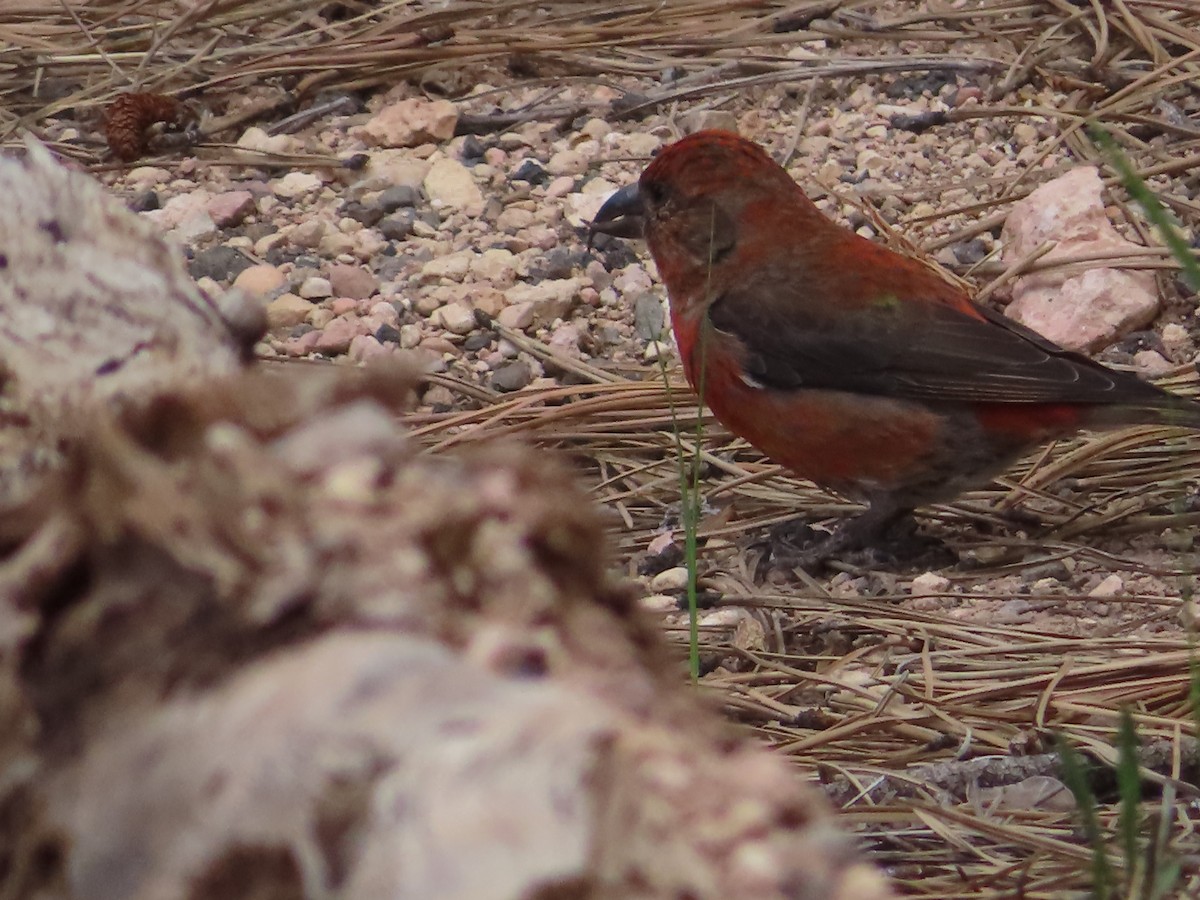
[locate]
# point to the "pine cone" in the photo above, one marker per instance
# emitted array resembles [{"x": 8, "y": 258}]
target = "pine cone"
[{"x": 129, "y": 117}]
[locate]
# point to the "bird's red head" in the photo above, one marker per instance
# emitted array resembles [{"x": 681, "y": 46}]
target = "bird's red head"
[
  {"x": 708, "y": 162},
  {"x": 701, "y": 198}
]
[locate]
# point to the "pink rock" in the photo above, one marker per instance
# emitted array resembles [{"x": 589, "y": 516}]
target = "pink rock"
[
  {"x": 965, "y": 94},
  {"x": 438, "y": 344},
  {"x": 543, "y": 238},
  {"x": 344, "y": 305},
  {"x": 365, "y": 347},
  {"x": 560, "y": 187},
  {"x": 1082, "y": 310},
  {"x": 352, "y": 281},
  {"x": 565, "y": 338},
  {"x": 335, "y": 337},
  {"x": 231, "y": 207},
  {"x": 519, "y": 316},
  {"x": 385, "y": 313},
  {"x": 303, "y": 345}
]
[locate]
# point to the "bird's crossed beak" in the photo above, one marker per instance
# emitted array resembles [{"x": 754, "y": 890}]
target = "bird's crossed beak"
[{"x": 622, "y": 215}]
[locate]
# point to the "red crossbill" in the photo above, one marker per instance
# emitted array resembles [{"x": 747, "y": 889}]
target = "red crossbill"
[{"x": 858, "y": 368}]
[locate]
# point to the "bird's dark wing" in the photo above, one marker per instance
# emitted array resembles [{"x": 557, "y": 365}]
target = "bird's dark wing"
[{"x": 927, "y": 351}]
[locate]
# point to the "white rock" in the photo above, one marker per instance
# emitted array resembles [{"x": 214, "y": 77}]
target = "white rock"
[
  {"x": 453, "y": 266},
  {"x": 320, "y": 317},
  {"x": 195, "y": 227},
  {"x": 365, "y": 347},
  {"x": 410, "y": 336},
  {"x": 656, "y": 350},
  {"x": 566, "y": 162},
  {"x": 560, "y": 187},
  {"x": 335, "y": 244},
  {"x": 179, "y": 208},
  {"x": 295, "y": 184},
  {"x": 497, "y": 265},
  {"x": 723, "y": 618},
  {"x": 641, "y": 143},
  {"x": 551, "y": 299},
  {"x": 396, "y": 168},
  {"x": 633, "y": 281},
  {"x": 702, "y": 119},
  {"x": 308, "y": 233},
  {"x": 315, "y": 288},
  {"x": 566, "y": 338},
  {"x": 145, "y": 176},
  {"x": 1175, "y": 339},
  {"x": 582, "y": 207},
  {"x": 673, "y": 579},
  {"x": 930, "y": 583},
  {"x": 1151, "y": 363},
  {"x": 456, "y": 318},
  {"x": 660, "y": 603},
  {"x": 256, "y": 140}
]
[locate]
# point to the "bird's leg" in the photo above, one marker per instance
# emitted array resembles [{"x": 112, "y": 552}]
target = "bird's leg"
[{"x": 863, "y": 531}]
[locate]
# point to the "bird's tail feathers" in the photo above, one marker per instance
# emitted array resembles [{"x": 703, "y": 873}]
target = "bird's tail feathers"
[{"x": 1171, "y": 411}]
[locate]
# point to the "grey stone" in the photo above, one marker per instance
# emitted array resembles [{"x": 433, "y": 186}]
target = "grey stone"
[
  {"x": 648, "y": 318},
  {"x": 511, "y": 377}
]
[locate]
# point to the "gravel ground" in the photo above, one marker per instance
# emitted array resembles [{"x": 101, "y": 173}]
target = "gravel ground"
[{"x": 420, "y": 241}]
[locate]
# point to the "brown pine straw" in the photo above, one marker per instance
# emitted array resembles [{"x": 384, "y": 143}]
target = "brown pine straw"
[
  {"x": 917, "y": 689},
  {"x": 889, "y": 707}
]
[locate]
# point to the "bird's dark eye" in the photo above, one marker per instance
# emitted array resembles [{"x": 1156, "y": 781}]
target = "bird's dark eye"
[{"x": 656, "y": 191}]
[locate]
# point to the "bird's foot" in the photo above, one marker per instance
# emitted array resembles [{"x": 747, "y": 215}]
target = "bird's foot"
[{"x": 862, "y": 543}]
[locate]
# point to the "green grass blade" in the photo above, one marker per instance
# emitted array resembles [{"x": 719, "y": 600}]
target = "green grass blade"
[
  {"x": 1075, "y": 778},
  {"x": 688, "y": 515},
  {"x": 1129, "y": 787},
  {"x": 1166, "y": 877},
  {"x": 1155, "y": 211}
]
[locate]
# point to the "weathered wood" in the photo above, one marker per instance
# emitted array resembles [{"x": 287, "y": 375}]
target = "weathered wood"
[{"x": 252, "y": 643}]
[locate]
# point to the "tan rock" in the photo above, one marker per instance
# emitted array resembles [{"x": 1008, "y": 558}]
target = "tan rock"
[
  {"x": 409, "y": 123},
  {"x": 450, "y": 183},
  {"x": 288, "y": 310},
  {"x": 261, "y": 280}
]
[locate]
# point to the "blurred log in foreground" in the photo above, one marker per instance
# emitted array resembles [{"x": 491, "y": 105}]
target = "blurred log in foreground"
[{"x": 253, "y": 645}]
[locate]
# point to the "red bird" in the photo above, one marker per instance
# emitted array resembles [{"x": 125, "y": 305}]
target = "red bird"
[{"x": 856, "y": 367}]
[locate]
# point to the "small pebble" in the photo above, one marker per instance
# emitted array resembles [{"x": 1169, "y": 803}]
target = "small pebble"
[{"x": 511, "y": 377}]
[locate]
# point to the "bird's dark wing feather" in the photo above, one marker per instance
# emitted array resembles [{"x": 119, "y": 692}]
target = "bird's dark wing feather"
[{"x": 932, "y": 353}]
